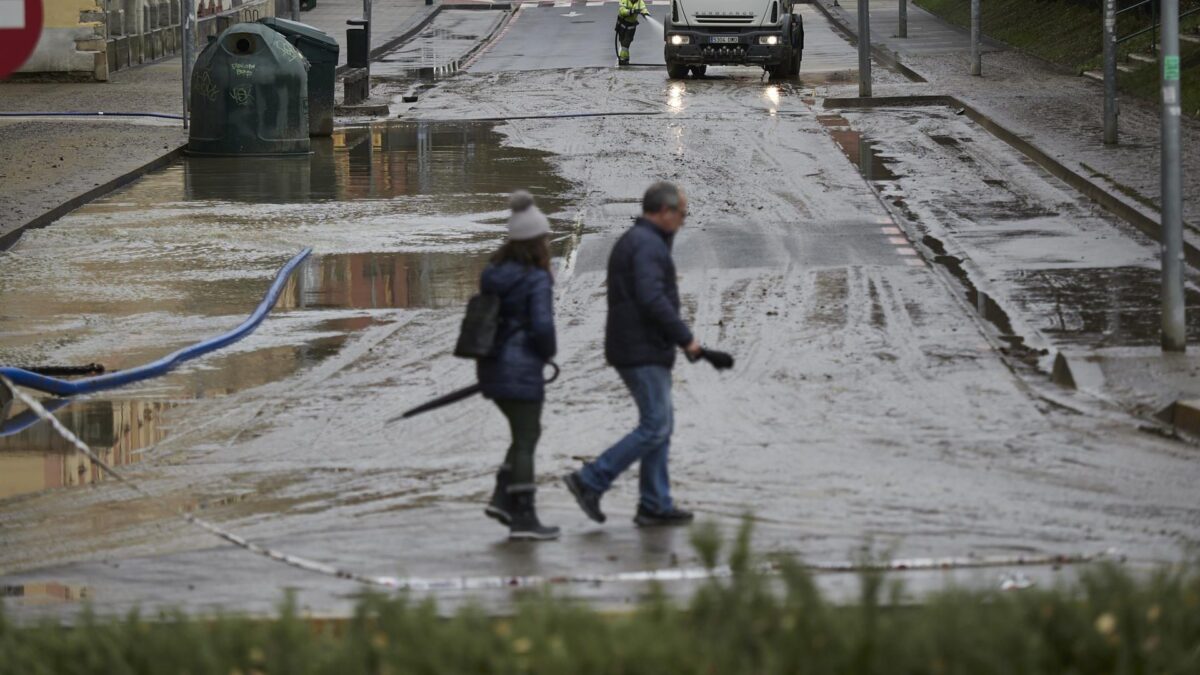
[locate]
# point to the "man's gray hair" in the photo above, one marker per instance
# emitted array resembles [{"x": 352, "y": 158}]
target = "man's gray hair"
[{"x": 661, "y": 195}]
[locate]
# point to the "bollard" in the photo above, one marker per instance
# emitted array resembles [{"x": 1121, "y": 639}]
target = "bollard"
[
  {"x": 1110, "y": 72},
  {"x": 1174, "y": 327},
  {"x": 903, "y": 29},
  {"x": 864, "y": 49}
]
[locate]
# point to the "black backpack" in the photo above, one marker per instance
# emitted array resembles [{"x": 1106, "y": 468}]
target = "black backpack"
[{"x": 477, "y": 337}]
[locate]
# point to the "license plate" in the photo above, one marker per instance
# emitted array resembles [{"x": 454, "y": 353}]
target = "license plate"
[{"x": 724, "y": 40}]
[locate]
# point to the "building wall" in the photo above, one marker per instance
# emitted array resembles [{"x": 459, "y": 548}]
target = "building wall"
[
  {"x": 88, "y": 39},
  {"x": 64, "y": 29}
]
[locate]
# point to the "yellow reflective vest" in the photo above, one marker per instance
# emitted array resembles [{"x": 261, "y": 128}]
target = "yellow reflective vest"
[{"x": 630, "y": 10}]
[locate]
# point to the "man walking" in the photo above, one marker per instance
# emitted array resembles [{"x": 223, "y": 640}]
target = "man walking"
[{"x": 643, "y": 331}]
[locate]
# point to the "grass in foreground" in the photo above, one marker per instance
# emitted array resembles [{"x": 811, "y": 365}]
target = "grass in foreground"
[
  {"x": 1068, "y": 33},
  {"x": 1108, "y": 623}
]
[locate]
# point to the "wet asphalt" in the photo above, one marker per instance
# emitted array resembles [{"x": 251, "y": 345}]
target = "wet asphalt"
[{"x": 872, "y": 403}]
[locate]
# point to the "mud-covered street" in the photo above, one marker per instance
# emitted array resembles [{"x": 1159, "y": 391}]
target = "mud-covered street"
[{"x": 886, "y": 392}]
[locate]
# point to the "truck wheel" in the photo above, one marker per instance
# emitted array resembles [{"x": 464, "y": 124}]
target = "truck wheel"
[
  {"x": 699, "y": 71},
  {"x": 676, "y": 71},
  {"x": 797, "y": 56}
]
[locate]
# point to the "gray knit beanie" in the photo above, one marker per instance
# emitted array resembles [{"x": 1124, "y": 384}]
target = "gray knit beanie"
[{"x": 527, "y": 221}]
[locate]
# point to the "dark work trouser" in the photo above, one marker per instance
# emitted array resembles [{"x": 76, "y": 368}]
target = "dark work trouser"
[
  {"x": 525, "y": 421},
  {"x": 625, "y": 32}
]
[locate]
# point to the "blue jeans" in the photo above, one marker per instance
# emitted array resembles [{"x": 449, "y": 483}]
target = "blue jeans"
[{"x": 650, "y": 442}]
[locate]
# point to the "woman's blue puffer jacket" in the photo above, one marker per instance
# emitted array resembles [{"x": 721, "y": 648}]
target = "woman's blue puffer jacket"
[{"x": 526, "y": 339}]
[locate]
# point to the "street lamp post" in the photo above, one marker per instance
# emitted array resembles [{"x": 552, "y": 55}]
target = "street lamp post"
[
  {"x": 864, "y": 48},
  {"x": 187, "y": 11},
  {"x": 1174, "y": 328},
  {"x": 1110, "y": 72},
  {"x": 976, "y": 56}
]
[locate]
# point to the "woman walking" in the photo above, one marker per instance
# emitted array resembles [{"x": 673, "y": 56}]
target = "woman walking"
[{"x": 519, "y": 274}]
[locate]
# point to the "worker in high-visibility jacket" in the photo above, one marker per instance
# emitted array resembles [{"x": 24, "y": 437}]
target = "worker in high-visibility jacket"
[{"x": 627, "y": 23}]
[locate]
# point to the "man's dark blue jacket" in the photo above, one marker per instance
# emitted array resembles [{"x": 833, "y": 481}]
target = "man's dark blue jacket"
[
  {"x": 644, "y": 327},
  {"x": 526, "y": 332}
]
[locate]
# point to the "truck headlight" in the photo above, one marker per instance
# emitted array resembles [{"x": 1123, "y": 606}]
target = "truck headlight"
[
  {"x": 681, "y": 39},
  {"x": 768, "y": 40}
]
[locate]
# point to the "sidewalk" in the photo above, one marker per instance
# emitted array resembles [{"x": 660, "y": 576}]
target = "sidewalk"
[
  {"x": 49, "y": 163},
  {"x": 1107, "y": 300},
  {"x": 1060, "y": 113}
]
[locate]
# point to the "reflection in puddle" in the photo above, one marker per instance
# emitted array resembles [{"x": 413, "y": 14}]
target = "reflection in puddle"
[
  {"x": 1101, "y": 307},
  {"x": 45, "y": 593},
  {"x": 39, "y": 459},
  {"x": 859, "y": 150},
  {"x": 400, "y": 214}
]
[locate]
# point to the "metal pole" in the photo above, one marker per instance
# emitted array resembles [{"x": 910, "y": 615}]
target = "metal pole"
[
  {"x": 1174, "y": 328},
  {"x": 367, "y": 18},
  {"x": 864, "y": 49},
  {"x": 903, "y": 30},
  {"x": 294, "y": 9},
  {"x": 187, "y": 11},
  {"x": 1110, "y": 72},
  {"x": 976, "y": 57}
]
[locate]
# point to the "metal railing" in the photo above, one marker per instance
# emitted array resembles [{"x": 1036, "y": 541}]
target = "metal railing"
[{"x": 1153, "y": 28}]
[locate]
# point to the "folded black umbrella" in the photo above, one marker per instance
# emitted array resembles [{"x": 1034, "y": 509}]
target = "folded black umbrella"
[{"x": 454, "y": 397}]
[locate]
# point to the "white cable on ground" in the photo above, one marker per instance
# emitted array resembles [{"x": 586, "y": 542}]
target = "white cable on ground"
[{"x": 497, "y": 582}]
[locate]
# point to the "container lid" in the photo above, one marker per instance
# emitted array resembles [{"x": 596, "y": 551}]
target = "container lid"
[{"x": 302, "y": 31}]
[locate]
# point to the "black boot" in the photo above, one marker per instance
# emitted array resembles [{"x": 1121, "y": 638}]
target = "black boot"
[
  {"x": 501, "y": 506},
  {"x": 525, "y": 523},
  {"x": 587, "y": 498}
]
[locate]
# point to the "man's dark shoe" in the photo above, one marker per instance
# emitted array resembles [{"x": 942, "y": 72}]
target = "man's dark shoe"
[
  {"x": 674, "y": 516},
  {"x": 588, "y": 499},
  {"x": 501, "y": 506},
  {"x": 525, "y": 523}
]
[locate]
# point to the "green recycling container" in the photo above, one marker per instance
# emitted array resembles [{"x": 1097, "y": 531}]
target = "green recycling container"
[
  {"x": 249, "y": 95},
  {"x": 321, "y": 51}
]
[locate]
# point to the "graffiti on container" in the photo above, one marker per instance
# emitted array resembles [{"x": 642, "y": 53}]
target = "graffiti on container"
[
  {"x": 206, "y": 87},
  {"x": 241, "y": 94},
  {"x": 288, "y": 52},
  {"x": 243, "y": 69}
]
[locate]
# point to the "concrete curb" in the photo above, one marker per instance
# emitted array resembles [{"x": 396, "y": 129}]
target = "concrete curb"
[
  {"x": 1097, "y": 193},
  {"x": 7, "y": 239},
  {"x": 1183, "y": 415}
]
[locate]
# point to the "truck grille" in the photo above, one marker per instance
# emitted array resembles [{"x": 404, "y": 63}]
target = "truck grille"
[{"x": 719, "y": 17}]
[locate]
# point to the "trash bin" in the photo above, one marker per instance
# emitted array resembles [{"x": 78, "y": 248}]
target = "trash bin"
[
  {"x": 249, "y": 95},
  {"x": 321, "y": 50}
]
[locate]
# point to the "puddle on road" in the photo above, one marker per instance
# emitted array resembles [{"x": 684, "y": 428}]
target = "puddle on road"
[
  {"x": 1100, "y": 307},
  {"x": 39, "y": 459},
  {"x": 401, "y": 215},
  {"x": 858, "y": 149}
]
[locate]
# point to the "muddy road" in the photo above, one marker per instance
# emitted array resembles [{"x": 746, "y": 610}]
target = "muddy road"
[{"x": 871, "y": 400}]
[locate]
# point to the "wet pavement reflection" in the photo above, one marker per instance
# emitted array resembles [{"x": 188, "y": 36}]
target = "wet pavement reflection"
[
  {"x": 1102, "y": 307},
  {"x": 401, "y": 215},
  {"x": 858, "y": 149}
]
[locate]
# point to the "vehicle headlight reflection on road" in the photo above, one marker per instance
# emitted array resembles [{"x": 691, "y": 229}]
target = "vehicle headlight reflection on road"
[
  {"x": 680, "y": 39},
  {"x": 675, "y": 96},
  {"x": 772, "y": 94},
  {"x": 768, "y": 39}
]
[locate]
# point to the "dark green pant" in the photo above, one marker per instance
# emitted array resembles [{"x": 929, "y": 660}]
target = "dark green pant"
[{"x": 525, "y": 420}]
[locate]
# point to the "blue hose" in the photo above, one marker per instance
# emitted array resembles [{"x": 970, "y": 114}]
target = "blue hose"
[
  {"x": 52, "y": 385},
  {"x": 99, "y": 113}
]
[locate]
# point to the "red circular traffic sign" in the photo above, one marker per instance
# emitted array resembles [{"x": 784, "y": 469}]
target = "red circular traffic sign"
[{"x": 20, "y": 29}]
